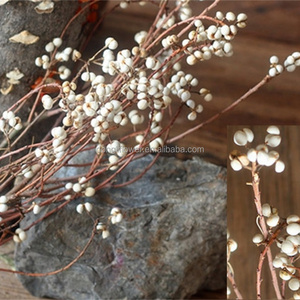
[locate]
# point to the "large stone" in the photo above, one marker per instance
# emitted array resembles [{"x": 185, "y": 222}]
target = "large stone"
[{"x": 171, "y": 243}]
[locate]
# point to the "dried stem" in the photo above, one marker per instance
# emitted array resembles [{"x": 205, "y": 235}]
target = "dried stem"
[
  {"x": 260, "y": 263},
  {"x": 257, "y": 202},
  {"x": 230, "y": 276},
  {"x": 254, "y": 89}
]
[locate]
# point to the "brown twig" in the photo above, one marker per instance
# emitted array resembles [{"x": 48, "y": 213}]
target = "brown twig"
[
  {"x": 63, "y": 268},
  {"x": 261, "y": 261},
  {"x": 230, "y": 276},
  {"x": 257, "y": 202},
  {"x": 254, "y": 89}
]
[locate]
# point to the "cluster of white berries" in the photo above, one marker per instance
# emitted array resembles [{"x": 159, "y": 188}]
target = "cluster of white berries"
[
  {"x": 82, "y": 186},
  {"x": 19, "y": 236},
  {"x": 122, "y": 63},
  {"x": 84, "y": 206},
  {"x": 147, "y": 92},
  {"x": 102, "y": 111},
  {"x": 185, "y": 10},
  {"x": 59, "y": 135},
  {"x": 165, "y": 21},
  {"x": 288, "y": 243},
  {"x": 63, "y": 56},
  {"x": 282, "y": 262},
  {"x": 156, "y": 144},
  {"x": 76, "y": 106},
  {"x": 47, "y": 102},
  {"x": 134, "y": 116},
  {"x": 290, "y": 64},
  {"x": 3, "y": 204},
  {"x": 143, "y": 84},
  {"x": 9, "y": 120},
  {"x": 180, "y": 85},
  {"x": 103, "y": 106},
  {"x": 102, "y": 227},
  {"x": 275, "y": 67},
  {"x": 43, "y": 61},
  {"x": 64, "y": 72},
  {"x": 115, "y": 217},
  {"x": 259, "y": 155},
  {"x": 271, "y": 215},
  {"x": 116, "y": 151},
  {"x": 27, "y": 171},
  {"x": 218, "y": 37},
  {"x": 43, "y": 154},
  {"x": 140, "y": 37},
  {"x": 292, "y": 61},
  {"x": 124, "y": 4},
  {"x": 96, "y": 104}
]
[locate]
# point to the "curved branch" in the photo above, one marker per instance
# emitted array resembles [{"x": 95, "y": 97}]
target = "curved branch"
[
  {"x": 63, "y": 268},
  {"x": 266, "y": 79}
]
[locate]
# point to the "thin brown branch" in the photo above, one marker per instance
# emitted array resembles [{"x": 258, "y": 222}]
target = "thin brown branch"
[{"x": 63, "y": 268}]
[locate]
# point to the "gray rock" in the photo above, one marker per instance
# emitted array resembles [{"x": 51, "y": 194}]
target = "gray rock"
[{"x": 170, "y": 244}]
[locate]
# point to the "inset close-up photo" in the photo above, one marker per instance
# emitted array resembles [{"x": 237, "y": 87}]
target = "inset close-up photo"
[{"x": 263, "y": 211}]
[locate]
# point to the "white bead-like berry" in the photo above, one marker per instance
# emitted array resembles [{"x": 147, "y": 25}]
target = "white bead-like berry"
[{"x": 279, "y": 166}]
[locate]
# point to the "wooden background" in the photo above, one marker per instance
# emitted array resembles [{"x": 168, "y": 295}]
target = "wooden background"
[{"x": 273, "y": 29}]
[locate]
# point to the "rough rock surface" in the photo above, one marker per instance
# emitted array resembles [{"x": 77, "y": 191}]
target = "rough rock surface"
[{"x": 171, "y": 243}]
